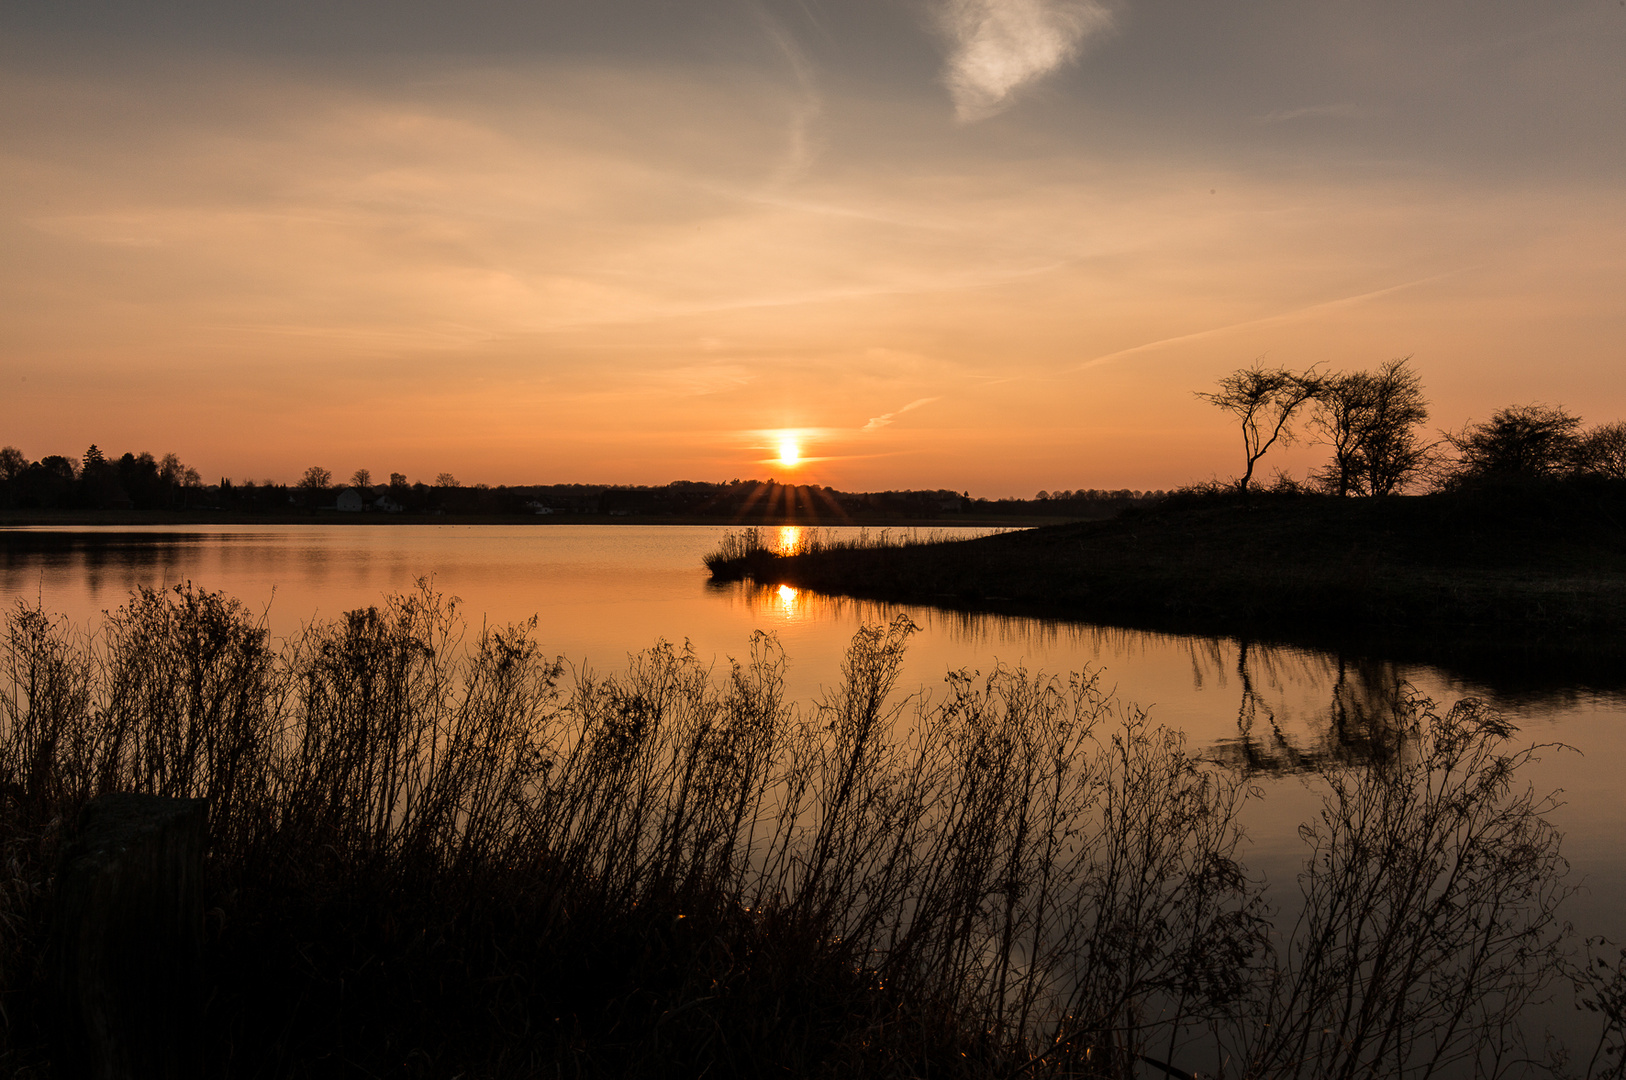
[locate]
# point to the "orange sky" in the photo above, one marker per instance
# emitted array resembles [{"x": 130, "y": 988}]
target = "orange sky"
[{"x": 982, "y": 244}]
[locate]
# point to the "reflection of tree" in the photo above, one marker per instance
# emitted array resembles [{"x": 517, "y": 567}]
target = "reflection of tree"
[
  {"x": 1366, "y": 698},
  {"x": 1268, "y": 749},
  {"x": 1362, "y": 721}
]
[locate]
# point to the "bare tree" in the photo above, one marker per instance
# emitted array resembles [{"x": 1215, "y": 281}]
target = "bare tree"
[
  {"x": 1264, "y": 402},
  {"x": 361, "y": 478},
  {"x": 1371, "y": 420},
  {"x": 446, "y": 480},
  {"x": 316, "y": 478}
]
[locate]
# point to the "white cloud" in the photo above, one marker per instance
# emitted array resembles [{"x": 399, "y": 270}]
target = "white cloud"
[{"x": 1001, "y": 45}]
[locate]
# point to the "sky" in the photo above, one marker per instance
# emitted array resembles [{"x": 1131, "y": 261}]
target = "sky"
[{"x": 987, "y": 245}]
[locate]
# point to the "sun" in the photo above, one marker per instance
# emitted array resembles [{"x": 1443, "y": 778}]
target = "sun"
[{"x": 789, "y": 452}]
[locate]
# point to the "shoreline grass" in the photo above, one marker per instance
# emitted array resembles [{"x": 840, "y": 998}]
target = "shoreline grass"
[{"x": 434, "y": 852}]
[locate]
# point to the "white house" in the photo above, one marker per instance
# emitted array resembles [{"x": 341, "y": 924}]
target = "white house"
[{"x": 351, "y": 502}]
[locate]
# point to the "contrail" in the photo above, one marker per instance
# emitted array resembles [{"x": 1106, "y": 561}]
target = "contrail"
[
  {"x": 1326, "y": 305},
  {"x": 1000, "y": 45},
  {"x": 876, "y": 423}
]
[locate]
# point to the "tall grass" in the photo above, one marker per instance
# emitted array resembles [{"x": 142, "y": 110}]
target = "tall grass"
[
  {"x": 752, "y": 550},
  {"x": 433, "y": 851}
]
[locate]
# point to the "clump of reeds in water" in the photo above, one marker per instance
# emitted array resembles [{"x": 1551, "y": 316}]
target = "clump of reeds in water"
[
  {"x": 752, "y": 552},
  {"x": 433, "y": 852}
]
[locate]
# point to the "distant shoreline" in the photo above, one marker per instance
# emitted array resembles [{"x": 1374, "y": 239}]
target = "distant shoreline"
[{"x": 18, "y": 519}]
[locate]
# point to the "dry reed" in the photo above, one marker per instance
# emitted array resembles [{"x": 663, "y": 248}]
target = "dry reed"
[{"x": 434, "y": 852}]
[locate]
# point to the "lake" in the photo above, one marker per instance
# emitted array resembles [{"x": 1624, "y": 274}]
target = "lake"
[{"x": 602, "y": 592}]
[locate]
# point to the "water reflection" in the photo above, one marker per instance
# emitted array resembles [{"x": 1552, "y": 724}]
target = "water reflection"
[
  {"x": 1291, "y": 709},
  {"x": 1363, "y": 720},
  {"x": 790, "y": 539},
  {"x": 600, "y": 593}
]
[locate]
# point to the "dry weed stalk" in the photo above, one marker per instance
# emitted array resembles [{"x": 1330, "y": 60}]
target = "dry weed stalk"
[{"x": 448, "y": 846}]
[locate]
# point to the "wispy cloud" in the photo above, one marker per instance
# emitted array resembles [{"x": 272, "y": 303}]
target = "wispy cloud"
[
  {"x": 876, "y": 423},
  {"x": 1310, "y": 112},
  {"x": 1001, "y": 45},
  {"x": 802, "y": 143},
  {"x": 1286, "y": 316}
]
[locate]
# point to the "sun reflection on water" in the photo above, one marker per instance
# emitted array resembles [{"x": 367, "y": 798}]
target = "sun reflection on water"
[
  {"x": 787, "y": 600},
  {"x": 791, "y": 538}
]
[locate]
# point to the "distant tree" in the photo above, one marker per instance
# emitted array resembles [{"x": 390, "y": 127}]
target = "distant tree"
[
  {"x": 52, "y": 481},
  {"x": 59, "y": 468},
  {"x": 398, "y": 480},
  {"x": 1265, "y": 402},
  {"x": 1602, "y": 451},
  {"x": 361, "y": 478},
  {"x": 12, "y": 463},
  {"x": 1518, "y": 441},
  {"x": 94, "y": 461},
  {"x": 1372, "y": 422},
  {"x": 445, "y": 480},
  {"x": 316, "y": 478},
  {"x": 170, "y": 470}
]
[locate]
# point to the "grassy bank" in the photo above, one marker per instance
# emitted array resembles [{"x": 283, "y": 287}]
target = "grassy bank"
[
  {"x": 433, "y": 852},
  {"x": 1546, "y": 560}
]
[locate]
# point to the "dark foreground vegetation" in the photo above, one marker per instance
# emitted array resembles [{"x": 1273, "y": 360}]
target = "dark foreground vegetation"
[
  {"x": 1543, "y": 559},
  {"x": 439, "y": 855}
]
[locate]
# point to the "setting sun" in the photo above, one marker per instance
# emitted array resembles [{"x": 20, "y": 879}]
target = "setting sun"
[{"x": 789, "y": 452}]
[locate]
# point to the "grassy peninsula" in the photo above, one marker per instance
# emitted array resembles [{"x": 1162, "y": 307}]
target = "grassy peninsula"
[{"x": 1533, "y": 560}]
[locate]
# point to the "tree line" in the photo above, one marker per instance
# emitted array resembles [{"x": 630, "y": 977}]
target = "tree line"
[
  {"x": 1373, "y": 423},
  {"x": 141, "y": 482},
  {"x": 135, "y": 481}
]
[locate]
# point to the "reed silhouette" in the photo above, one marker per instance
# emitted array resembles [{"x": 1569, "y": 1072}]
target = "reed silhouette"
[{"x": 435, "y": 851}]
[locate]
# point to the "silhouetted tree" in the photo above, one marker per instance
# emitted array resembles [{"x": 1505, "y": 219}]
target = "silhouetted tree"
[
  {"x": 314, "y": 483},
  {"x": 99, "y": 478},
  {"x": 1372, "y": 422},
  {"x": 1264, "y": 402},
  {"x": 1602, "y": 451},
  {"x": 398, "y": 480},
  {"x": 12, "y": 463},
  {"x": 1518, "y": 441},
  {"x": 445, "y": 480},
  {"x": 361, "y": 478},
  {"x": 138, "y": 475},
  {"x": 170, "y": 470}
]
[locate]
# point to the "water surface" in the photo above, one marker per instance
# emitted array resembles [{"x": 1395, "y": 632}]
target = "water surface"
[{"x": 601, "y": 592}]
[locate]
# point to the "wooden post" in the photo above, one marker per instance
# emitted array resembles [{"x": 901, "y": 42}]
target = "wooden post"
[{"x": 127, "y": 941}]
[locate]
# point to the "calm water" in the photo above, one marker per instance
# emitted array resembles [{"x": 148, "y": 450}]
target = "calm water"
[{"x": 601, "y": 592}]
